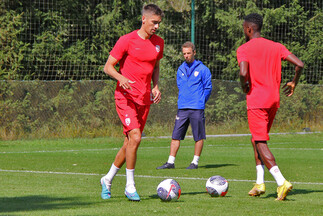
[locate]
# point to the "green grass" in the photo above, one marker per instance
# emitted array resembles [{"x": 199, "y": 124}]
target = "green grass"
[{"x": 69, "y": 170}]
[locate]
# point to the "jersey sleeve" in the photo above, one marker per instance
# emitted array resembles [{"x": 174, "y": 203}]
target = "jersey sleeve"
[
  {"x": 241, "y": 54},
  {"x": 284, "y": 51},
  {"x": 120, "y": 48}
]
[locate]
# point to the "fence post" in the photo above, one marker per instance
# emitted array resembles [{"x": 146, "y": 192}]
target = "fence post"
[{"x": 193, "y": 22}]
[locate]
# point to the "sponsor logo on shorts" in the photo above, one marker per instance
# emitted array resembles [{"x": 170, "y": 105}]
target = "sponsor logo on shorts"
[
  {"x": 196, "y": 73},
  {"x": 157, "y": 48},
  {"x": 182, "y": 74},
  {"x": 177, "y": 118},
  {"x": 128, "y": 121}
]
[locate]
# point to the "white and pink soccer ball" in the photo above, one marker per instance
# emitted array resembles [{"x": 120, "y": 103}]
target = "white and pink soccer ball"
[
  {"x": 169, "y": 190},
  {"x": 217, "y": 186}
]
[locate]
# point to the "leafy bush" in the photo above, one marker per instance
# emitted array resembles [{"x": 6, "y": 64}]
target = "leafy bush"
[
  {"x": 11, "y": 47},
  {"x": 43, "y": 109}
]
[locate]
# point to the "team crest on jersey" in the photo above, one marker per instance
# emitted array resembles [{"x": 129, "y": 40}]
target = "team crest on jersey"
[
  {"x": 127, "y": 120},
  {"x": 196, "y": 73},
  {"x": 157, "y": 48}
]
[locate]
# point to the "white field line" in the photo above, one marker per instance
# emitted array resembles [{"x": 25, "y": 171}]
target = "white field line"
[
  {"x": 302, "y": 149},
  {"x": 163, "y": 147},
  {"x": 143, "y": 176},
  {"x": 232, "y": 135},
  {"x": 56, "y": 151},
  {"x": 169, "y": 137}
]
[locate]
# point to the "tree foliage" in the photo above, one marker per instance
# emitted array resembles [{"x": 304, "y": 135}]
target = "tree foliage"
[
  {"x": 12, "y": 50},
  {"x": 71, "y": 39}
]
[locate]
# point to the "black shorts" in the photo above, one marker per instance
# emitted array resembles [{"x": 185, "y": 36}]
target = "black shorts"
[{"x": 184, "y": 117}]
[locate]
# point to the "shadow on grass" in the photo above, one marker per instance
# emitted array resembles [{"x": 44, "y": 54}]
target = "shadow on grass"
[
  {"x": 294, "y": 192},
  {"x": 194, "y": 193},
  {"x": 155, "y": 196},
  {"x": 209, "y": 166},
  {"x": 38, "y": 202}
]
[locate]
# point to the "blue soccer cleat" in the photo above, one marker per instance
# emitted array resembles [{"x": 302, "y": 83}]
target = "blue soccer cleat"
[
  {"x": 132, "y": 196},
  {"x": 105, "y": 194},
  {"x": 167, "y": 166},
  {"x": 192, "y": 166}
]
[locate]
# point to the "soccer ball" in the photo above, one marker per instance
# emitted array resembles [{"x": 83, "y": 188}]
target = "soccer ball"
[
  {"x": 169, "y": 190},
  {"x": 217, "y": 186}
]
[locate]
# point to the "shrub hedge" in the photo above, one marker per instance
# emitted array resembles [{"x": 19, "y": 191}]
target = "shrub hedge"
[{"x": 60, "y": 109}]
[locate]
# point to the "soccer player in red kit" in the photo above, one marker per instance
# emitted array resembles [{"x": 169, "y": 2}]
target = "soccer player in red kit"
[
  {"x": 260, "y": 76},
  {"x": 138, "y": 54}
]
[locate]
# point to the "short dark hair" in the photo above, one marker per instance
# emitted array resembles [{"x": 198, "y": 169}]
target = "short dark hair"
[
  {"x": 152, "y": 8},
  {"x": 256, "y": 19},
  {"x": 188, "y": 44}
]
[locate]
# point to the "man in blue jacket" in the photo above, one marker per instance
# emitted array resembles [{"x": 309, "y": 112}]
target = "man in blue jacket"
[{"x": 195, "y": 86}]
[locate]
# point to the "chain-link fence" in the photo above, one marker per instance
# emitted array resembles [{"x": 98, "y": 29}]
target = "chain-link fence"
[{"x": 71, "y": 39}]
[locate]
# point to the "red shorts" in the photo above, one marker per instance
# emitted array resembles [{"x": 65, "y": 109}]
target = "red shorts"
[
  {"x": 260, "y": 121},
  {"x": 132, "y": 115}
]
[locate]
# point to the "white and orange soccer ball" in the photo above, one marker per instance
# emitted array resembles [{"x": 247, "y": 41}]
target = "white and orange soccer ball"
[
  {"x": 217, "y": 186},
  {"x": 169, "y": 190}
]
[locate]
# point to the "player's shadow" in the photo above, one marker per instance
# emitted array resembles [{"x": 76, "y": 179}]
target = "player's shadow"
[
  {"x": 209, "y": 166},
  {"x": 38, "y": 202},
  {"x": 294, "y": 192}
]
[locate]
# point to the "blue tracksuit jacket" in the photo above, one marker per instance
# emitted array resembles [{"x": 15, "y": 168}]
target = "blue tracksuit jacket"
[{"x": 194, "y": 85}]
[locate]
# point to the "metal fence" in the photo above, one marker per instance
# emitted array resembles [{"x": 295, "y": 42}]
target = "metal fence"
[{"x": 71, "y": 40}]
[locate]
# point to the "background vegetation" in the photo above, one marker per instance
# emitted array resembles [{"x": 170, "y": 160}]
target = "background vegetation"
[
  {"x": 71, "y": 39},
  {"x": 38, "y": 109},
  {"x": 45, "y": 46}
]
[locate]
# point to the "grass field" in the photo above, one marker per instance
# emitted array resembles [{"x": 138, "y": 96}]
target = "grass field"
[{"x": 61, "y": 177}]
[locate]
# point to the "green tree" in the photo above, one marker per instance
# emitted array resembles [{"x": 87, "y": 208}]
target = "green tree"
[{"x": 12, "y": 50}]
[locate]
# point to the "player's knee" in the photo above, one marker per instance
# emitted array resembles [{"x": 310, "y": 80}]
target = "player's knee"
[{"x": 135, "y": 138}]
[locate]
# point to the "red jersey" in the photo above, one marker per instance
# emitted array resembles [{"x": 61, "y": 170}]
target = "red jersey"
[
  {"x": 264, "y": 57},
  {"x": 137, "y": 58}
]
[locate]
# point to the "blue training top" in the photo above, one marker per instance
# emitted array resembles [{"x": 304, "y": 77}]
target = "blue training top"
[{"x": 194, "y": 85}]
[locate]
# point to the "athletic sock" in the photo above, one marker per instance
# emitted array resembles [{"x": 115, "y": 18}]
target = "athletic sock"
[
  {"x": 260, "y": 174},
  {"x": 130, "y": 186},
  {"x": 196, "y": 160},
  {"x": 277, "y": 175},
  {"x": 171, "y": 159},
  {"x": 110, "y": 175}
]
